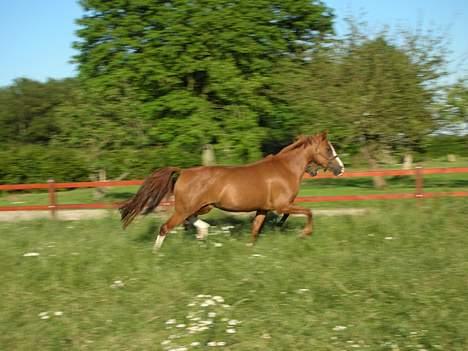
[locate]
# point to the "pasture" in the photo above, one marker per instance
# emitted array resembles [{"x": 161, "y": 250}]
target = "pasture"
[{"x": 393, "y": 280}]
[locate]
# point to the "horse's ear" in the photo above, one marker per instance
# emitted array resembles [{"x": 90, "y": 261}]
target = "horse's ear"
[{"x": 324, "y": 134}]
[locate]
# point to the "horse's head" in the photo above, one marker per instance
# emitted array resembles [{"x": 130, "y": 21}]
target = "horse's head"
[{"x": 323, "y": 155}]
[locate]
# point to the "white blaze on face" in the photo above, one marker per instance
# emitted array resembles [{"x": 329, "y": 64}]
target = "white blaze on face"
[{"x": 337, "y": 158}]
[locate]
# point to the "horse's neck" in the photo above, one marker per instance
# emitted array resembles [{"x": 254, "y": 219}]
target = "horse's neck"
[{"x": 296, "y": 160}]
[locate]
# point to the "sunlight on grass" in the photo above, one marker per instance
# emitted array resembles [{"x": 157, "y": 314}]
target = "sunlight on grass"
[{"x": 90, "y": 285}]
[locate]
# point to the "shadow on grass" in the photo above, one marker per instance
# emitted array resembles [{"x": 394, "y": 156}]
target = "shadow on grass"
[{"x": 238, "y": 226}]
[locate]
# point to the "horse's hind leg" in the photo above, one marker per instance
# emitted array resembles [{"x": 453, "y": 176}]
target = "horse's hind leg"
[
  {"x": 258, "y": 223},
  {"x": 282, "y": 220},
  {"x": 202, "y": 226},
  {"x": 173, "y": 221}
]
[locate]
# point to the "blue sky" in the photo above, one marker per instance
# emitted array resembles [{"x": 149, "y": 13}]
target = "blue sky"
[{"x": 36, "y": 36}]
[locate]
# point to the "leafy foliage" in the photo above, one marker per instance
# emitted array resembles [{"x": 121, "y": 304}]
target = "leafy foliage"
[{"x": 199, "y": 70}]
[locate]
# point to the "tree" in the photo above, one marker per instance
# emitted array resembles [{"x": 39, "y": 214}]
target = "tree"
[
  {"x": 198, "y": 70},
  {"x": 373, "y": 93},
  {"x": 28, "y": 107}
]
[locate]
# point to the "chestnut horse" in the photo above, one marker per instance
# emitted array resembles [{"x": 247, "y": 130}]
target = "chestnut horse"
[{"x": 270, "y": 184}]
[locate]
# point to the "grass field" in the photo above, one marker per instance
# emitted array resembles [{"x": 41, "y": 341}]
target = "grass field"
[{"x": 393, "y": 280}]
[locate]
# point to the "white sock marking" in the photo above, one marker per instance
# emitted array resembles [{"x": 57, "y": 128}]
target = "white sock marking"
[
  {"x": 159, "y": 241},
  {"x": 202, "y": 229}
]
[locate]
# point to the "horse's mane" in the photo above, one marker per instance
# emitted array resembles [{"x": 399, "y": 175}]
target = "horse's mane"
[{"x": 300, "y": 141}]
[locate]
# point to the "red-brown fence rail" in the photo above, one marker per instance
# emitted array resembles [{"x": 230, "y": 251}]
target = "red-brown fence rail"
[{"x": 418, "y": 173}]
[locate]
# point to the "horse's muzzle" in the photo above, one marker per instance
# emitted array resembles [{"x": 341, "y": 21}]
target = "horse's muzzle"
[{"x": 338, "y": 171}]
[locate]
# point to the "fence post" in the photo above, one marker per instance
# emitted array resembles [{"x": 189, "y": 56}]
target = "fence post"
[
  {"x": 52, "y": 198},
  {"x": 419, "y": 182}
]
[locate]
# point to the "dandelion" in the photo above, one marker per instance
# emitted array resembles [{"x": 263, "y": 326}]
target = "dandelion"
[
  {"x": 31, "y": 254},
  {"x": 339, "y": 328}
]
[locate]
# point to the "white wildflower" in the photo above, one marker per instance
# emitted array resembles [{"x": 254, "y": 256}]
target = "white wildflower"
[
  {"x": 171, "y": 321},
  {"x": 212, "y": 343},
  {"x": 207, "y": 302},
  {"x": 31, "y": 254},
  {"x": 389, "y": 238},
  {"x": 218, "y": 299},
  {"x": 195, "y": 344},
  {"x": 220, "y": 343},
  {"x": 117, "y": 284},
  {"x": 182, "y": 325},
  {"x": 234, "y": 322},
  {"x": 217, "y": 244},
  {"x": 212, "y": 314},
  {"x": 58, "y": 313},
  {"x": 43, "y": 315},
  {"x": 166, "y": 342},
  {"x": 230, "y": 331},
  {"x": 340, "y": 328},
  {"x": 300, "y": 291}
]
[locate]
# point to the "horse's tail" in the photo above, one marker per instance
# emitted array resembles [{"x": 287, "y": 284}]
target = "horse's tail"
[{"x": 153, "y": 190}]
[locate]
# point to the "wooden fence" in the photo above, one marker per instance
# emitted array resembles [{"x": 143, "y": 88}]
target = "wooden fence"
[{"x": 418, "y": 173}]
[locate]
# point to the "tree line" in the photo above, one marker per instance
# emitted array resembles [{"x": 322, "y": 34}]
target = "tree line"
[{"x": 159, "y": 80}]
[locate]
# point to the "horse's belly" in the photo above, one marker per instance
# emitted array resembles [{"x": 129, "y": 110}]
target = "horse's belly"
[{"x": 244, "y": 197}]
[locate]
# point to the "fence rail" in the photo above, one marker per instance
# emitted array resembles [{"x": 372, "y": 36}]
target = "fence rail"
[{"x": 418, "y": 173}]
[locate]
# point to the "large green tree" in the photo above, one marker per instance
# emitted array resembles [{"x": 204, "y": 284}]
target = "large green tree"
[{"x": 198, "y": 71}]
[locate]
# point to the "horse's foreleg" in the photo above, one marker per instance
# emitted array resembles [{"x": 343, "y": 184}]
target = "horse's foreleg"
[
  {"x": 258, "y": 223},
  {"x": 291, "y": 209},
  {"x": 172, "y": 222}
]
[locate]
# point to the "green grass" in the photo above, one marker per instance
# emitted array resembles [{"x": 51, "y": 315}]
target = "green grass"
[{"x": 392, "y": 280}]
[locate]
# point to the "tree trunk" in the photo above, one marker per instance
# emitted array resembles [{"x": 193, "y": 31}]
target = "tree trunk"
[
  {"x": 379, "y": 181},
  {"x": 408, "y": 161}
]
